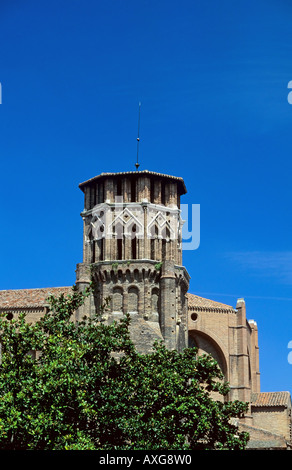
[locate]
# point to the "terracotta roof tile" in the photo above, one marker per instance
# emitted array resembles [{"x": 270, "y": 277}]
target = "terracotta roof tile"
[
  {"x": 194, "y": 301},
  {"x": 271, "y": 399},
  {"x": 21, "y": 298},
  {"x": 29, "y": 298}
]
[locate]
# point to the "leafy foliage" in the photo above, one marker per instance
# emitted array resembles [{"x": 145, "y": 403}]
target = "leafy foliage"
[{"x": 89, "y": 388}]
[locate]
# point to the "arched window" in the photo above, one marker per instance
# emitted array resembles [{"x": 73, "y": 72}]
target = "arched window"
[
  {"x": 155, "y": 300},
  {"x": 93, "y": 251},
  {"x": 133, "y": 295},
  {"x": 165, "y": 240},
  {"x": 119, "y": 248},
  {"x": 119, "y": 233},
  {"x": 154, "y": 237},
  {"x": 134, "y": 243},
  {"x": 117, "y": 299},
  {"x": 100, "y": 243}
]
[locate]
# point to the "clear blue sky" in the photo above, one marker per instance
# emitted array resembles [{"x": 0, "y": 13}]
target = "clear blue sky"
[{"x": 212, "y": 78}]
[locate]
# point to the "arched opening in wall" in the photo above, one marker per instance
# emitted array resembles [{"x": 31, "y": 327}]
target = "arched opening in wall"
[
  {"x": 9, "y": 315},
  {"x": 152, "y": 249},
  {"x": 119, "y": 233},
  {"x": 119, "y": 248},
  {"x": 155, "y": 300},
  {"x": 134, "y": 243},
  {"x": 153, "y": 241},
  {"x": 206, "y": 345},
  {"x": 117, "y": 301},
  {"x": 136, "y": 275},
  {"x": 93, "y": 251},
  {"x": 163, "y": 249},
  {"x": 192, "y": 342},
  {"x": 133, "y": 297},
  {"x": 165, "y": 240},
  {"x": 166, "y": 233},
  {"x": 101, "y": 248}
]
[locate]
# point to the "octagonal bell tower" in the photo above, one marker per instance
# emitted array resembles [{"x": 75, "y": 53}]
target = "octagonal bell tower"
[{"x": 132, "y": 247}]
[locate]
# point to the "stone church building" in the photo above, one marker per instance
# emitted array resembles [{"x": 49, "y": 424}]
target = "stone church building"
[{"x": 132, "y": 247}]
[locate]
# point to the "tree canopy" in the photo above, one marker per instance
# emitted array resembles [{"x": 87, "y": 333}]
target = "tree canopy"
[{"x": 88, "y": 388}]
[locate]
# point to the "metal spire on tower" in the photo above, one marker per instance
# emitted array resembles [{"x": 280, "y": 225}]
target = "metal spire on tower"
[{"x": 137, "y": 164}]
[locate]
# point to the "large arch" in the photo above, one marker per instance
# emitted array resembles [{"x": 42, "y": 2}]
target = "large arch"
[{"x": 209, "y": 345}]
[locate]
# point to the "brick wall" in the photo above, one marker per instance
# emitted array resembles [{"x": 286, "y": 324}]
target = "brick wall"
[{"x": 275, "y": 419}]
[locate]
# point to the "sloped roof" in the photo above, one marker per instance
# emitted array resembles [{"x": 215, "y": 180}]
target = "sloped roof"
[
  {"x": 136, "y": 173},
  {"x": 271, "y": 399},
  {"x": 261, "y": 439},
  {"x": 194, "y": 301},
  {"x": 29, "y": 298}
]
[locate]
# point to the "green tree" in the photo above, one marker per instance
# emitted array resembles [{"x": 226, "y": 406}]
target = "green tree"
[{"x": 89, "y": 388}]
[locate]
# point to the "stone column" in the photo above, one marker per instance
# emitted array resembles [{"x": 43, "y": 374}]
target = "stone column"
[
  {"x": 109, "y": 190},
  {"x": 143, "y": 188},
  {"x": 172, "y": 195},
  {"x": 126, "y": 190},
  {"x": 157, "y": 192}
]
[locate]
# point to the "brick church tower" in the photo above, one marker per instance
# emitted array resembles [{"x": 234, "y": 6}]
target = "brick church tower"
[{"x": 133, "y": 249}]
